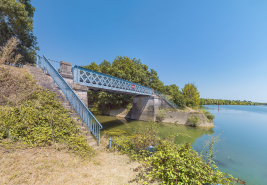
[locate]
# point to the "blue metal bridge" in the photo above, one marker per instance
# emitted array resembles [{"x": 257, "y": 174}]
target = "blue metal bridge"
[
  {"x": 95, "y": 81},
  {"x": 103, "y": 82}
]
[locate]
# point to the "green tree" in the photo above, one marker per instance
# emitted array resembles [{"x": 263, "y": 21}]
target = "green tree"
[
  {"x": 105, "y": 67},
  {"x": 154, "y": 81},
  {"x": 179, "y": 100},
  {"x": 93, "y": 66},
  {"x": 16, "y": 20},
  {"x": 191, "y": 95},
  {"x": 171, "y": 89}
]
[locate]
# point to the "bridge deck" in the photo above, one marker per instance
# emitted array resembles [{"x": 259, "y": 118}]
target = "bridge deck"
[{"x": 103, "y": 82}]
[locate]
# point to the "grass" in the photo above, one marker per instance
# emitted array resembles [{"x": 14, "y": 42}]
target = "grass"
[{"x": 55, "y": 165}]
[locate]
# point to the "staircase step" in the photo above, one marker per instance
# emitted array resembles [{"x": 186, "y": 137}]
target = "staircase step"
[
  {"x": 80, "y": 123},
  {"x": 74, "y": 115},
  {"x": 83, "y": 128},
  {"x": 92, "y": 143}
]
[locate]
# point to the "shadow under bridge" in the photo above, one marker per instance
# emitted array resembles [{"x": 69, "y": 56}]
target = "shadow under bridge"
[{"x": 103, "y": 82}]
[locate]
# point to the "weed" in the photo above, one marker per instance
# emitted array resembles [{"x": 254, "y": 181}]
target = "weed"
[{"x": 193, "y": 120}]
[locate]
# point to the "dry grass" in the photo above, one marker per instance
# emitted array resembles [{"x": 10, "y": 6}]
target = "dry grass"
[
  {"x": 48, "y": 165},
  {"x": 16, "y": 85}
]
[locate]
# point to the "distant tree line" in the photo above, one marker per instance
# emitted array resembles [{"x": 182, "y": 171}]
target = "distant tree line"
[{"x": 225, "y": 102}]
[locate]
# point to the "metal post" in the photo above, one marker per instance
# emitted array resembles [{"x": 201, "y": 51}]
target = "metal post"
[
  {"x": 151, "y": 150},
  {"x": 110, "y": 142}
]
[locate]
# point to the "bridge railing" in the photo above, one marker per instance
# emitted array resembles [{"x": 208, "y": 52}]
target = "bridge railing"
[
  {"x": 85, "y": 114},
  {"x": 54, "y": 63},
  {"x": 102, "y": 81},
  {"x": 166, "y": 98}
]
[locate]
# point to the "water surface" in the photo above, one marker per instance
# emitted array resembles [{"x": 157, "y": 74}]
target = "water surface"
[{"x": 242, "y": 153}]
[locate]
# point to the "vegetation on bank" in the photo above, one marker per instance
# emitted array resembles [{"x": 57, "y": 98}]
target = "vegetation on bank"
[
  {"x": 225, "y": 102},
  {"x": 33, "y": 116},
  {"x": 170, "y": 163}
]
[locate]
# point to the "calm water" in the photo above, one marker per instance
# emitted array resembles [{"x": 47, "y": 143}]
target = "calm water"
[{"x": 243, "y": 153}]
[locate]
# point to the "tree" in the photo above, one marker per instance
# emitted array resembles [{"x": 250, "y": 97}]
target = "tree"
[
  {"x": 179, "y": 100},
  {"x": 16, "y": 21},
  {"x": 191, "y": 95},
  {"x": 171, "y": 89},
  {"x": 93, "y": 66},
  {"x": 154, "y": 81},
  {"x": 105, "y": 67}
]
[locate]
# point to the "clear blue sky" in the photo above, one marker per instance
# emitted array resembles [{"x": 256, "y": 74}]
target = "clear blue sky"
[{"x": 219, "y": 45}]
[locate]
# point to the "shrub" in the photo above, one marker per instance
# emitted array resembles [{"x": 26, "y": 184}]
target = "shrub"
[
  {"x": 209, "y": 116},
  {"x": 179, "y": 164},
  {"x": 40, "y": 121},
  {"x": 161, "y": 115},
  {"x": 179, "y": 100},
  {"x": 193, "y": 120},
  {"x": 8, "y": 52},
  {"x": 170, "y": 163}
]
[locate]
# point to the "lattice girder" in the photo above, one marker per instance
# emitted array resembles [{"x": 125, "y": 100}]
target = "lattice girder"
[{"x": 100, "y": 81}]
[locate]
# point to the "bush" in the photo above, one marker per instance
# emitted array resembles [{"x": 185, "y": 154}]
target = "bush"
[
  {"x": 170, "y": 163},
  {"x": 8, "y": 52},
  {"x": 193, "y": 120},
  {"x": 179, "y": 100},
  {"x": 40, "y": 121},
  {"x": 209, "y": 116},
  {"x": 133, "y": 144},
  {"x": 161, "y": 115}
]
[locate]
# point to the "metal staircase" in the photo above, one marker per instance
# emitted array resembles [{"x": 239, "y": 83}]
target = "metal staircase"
[
  {"x": 84, "y": 113},
  {"x": 166, "y": 99}
]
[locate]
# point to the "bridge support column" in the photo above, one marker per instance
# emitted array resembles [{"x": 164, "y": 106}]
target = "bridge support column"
[
  {"x": 81, "y": 91},
  {"x": 145, "y": 108}
]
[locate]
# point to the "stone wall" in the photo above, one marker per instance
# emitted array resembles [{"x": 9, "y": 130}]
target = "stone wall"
[
  {"x": 181, "y": 117},
  {"x": 81, "y": 91}
]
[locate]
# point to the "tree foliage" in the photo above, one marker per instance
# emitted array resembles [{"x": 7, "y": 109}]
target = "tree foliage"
[
  {"x": 172, "y": 89},
  {"x": 16, "y": 20},
  {"x": 179, "y": 100},
  {"x": 191, "y": 95},
  {"x": 126, "y": 68}
]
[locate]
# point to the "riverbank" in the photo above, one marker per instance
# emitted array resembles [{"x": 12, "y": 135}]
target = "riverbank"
[{"x": 170, "y": 116}]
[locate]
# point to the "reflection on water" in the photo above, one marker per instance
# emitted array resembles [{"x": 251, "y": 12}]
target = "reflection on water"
[{"x": 164, "y": 129}]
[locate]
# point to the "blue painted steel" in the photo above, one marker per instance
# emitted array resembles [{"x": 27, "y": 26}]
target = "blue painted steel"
[
  {"x": 40, "y": 63},
  {"x": 166, "y": 98},
  {"x": 110, "y": 143},
  {"x": 151, "y": 150},
  {"x": 85, "y": 114},
  {"x": 100, "y": 81},
  {"x": 16, "y": 65}
]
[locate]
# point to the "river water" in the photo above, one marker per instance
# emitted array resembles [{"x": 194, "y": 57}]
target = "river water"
[{"x": 242, "y": 153}]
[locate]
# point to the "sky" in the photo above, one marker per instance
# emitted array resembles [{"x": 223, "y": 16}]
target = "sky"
[{"x": 219, "y": 45}]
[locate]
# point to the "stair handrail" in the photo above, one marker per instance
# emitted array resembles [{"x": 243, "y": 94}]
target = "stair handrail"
[
  {"x": 166, "y": 98},
  {"x": 83, "y": 111}
]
